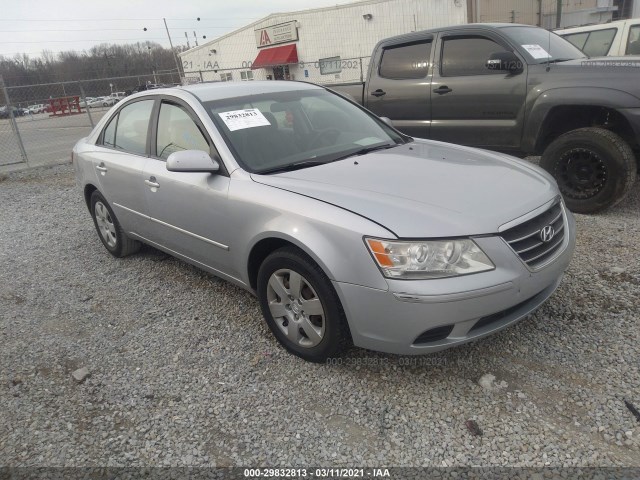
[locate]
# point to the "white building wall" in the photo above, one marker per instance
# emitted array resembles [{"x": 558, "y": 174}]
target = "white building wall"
[{"x": 328, "y": 32}]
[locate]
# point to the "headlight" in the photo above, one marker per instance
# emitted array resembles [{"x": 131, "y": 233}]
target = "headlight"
[{"x": 428, "y": 258}]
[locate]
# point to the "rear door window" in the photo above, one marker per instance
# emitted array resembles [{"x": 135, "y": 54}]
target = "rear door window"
[
  {"x": 406, "y": 61},
  {"x": 129, "y": 129}
]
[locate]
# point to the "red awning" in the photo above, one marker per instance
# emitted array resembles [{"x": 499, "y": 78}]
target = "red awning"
[{"x": 269, "y": 57}]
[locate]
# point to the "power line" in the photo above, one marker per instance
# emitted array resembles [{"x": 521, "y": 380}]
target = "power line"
[
  {"x": 115, "y": 19},
  {"x": 107, "y": 29},
  {"x": 90, "y": 40}
]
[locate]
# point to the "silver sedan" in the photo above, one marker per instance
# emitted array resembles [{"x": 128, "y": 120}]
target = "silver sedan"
[{"x": 348, "y": 231}]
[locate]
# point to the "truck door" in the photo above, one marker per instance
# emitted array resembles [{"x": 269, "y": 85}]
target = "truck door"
[
  {"x": 470, "y": 104},
  {"x": 399, "y": 85}
]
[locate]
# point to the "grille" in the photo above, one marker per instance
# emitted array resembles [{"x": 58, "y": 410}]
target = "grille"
[{"x": 526, "y": 241}]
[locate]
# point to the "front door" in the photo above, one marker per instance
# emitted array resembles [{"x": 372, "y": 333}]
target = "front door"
[
  {"x": 470, "y": 104},
  {"x": 188, "y": 210}
]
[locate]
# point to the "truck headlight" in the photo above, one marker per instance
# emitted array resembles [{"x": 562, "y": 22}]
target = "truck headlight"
[{"x": 428, "y": 258}]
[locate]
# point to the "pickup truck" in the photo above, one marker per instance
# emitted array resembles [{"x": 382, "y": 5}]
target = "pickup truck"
[{"x": 515, "y": 89}]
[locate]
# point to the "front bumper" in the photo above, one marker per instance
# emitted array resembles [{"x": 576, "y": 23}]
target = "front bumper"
[{"x": 424, "y": 316}]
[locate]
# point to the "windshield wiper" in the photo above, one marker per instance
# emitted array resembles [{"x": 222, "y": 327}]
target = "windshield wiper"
[
  {"x": 558, "y": 60},
  {"x": 366, "y": 150},
  {"x": 293, "y": 166}
]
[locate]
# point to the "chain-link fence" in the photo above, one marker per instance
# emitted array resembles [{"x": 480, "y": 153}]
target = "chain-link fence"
[
  {"x": 39, "y": 124},
  {"x": 327, "y": 71}
]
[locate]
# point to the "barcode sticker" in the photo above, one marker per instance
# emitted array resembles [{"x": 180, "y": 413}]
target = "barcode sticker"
[{"x": 240, "y": 119}]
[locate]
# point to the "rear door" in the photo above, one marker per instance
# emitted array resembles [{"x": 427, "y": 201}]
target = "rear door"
[
  {"x": 188, "y": 210},
  {"x": 470, "y": 104},
  {"x": 399, "y": 84},
  {"x": 119, "y": 159}
]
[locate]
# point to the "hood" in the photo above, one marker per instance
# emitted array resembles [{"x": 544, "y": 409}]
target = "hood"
[{"x": 426, "y": 188}]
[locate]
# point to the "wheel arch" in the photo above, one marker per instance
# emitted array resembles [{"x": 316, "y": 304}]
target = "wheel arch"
[
  {"x": 89, "y": 188},
  {"x": 269, "y": 243},
  {"x": 560, "y": 110},
  {"x": 565, "y": 118}
]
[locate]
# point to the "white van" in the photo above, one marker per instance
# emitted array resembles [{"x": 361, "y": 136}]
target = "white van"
[{"x": 615, "y": 39}]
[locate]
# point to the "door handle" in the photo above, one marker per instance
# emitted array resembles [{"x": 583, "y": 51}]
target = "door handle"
[
  {"x": 378, "y": 93},
  {"x": 152, "y": 182},
  {"x": 442, "y": 90},
  {"x": 101, "y": 168}
]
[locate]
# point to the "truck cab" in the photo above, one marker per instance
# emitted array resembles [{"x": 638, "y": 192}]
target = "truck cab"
[
  {"x": 515, "y": 89},
  {"x": 619, "y": 38}
]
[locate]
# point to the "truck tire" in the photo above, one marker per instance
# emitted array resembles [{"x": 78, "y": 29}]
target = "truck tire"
[{"x": 594, "y": 168}]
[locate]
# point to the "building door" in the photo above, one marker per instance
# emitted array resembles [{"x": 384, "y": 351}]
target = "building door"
[{"x": 281, "y": 72}]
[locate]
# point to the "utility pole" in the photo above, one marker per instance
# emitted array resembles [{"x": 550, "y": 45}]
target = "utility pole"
[
  {"x": 175, "y": 57},
  {"x": 558, "y": 13}
]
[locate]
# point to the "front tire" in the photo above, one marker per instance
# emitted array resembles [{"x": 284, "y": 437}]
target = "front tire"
[
  {"x": 301, "y": 306},
  {"x": 594, "y": 168},
  {"x": 109, "y": 230}
]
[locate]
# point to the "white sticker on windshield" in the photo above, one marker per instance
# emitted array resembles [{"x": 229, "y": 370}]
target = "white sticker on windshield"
[
  {"x": 536, "y": 51},
  {"x": 239, "y": 119}
]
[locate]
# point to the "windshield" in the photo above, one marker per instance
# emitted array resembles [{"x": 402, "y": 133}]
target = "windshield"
[
  {"x": 540, "y": 46},
  {"x": 272, "y": 131}
]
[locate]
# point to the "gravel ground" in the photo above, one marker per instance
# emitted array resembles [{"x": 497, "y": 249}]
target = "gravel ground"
[{"x": 183, "y": 371}]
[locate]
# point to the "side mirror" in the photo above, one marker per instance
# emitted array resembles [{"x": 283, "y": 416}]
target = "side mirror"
[
  {"x": 192, "y": 161},
  {"x": 504, "y": 61},
  {"x": 387, "y": 120}
]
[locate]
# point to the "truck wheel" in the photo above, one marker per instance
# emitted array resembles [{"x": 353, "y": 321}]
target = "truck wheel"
[{"x": 594, "y": 168}]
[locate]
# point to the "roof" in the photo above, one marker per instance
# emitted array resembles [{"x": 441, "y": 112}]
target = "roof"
[
  {"x": 593, "y": 26},
  {"x": 219, "y": 90},
  {"x": 280, "y": 14},
  {"x": 463, "y": 27}
]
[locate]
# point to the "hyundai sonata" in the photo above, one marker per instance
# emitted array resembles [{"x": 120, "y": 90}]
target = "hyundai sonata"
[{"x": 346, "y": 230}]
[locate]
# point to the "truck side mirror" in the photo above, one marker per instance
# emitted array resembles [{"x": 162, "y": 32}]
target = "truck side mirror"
[{"x": 504, "y": 61}]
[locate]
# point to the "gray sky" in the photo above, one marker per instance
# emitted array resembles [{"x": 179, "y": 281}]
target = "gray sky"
[{"x": 30, "y": 26}]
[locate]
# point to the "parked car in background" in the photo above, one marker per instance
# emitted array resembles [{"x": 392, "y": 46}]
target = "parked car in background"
[
  {"x": 84, "y": 102},
  {"x": 117, "y": 96},
  {"x": 102, "y": 102},
  {"x": 616, "y": 39},
  {"x": 5, "y": 112},
  {"x": 516, "y": 89},
  {"x": 35, "y": 109},
  {"x": 345, "y": 229}
]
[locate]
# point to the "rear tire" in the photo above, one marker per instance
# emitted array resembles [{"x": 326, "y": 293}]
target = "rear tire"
[
  {"x": 301, "y": 306},
  {"x": 109, "y": 230},
  {"x": 594, "y": 167}
]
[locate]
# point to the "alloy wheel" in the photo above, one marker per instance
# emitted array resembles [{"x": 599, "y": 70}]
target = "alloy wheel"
[{"x": 296, "y": 308}]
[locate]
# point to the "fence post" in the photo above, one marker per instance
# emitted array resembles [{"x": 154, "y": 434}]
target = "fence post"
[
  {"x": 12, "y": 119},
  {"x": 86, "y": 104}
]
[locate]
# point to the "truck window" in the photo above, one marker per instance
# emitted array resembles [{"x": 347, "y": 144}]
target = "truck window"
[
  {"x": 467, "y": 56},
  {"x": 599, "y": 42},
  {"x": 633, "y": 43},
  {"x": 405, "y": 61}
]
